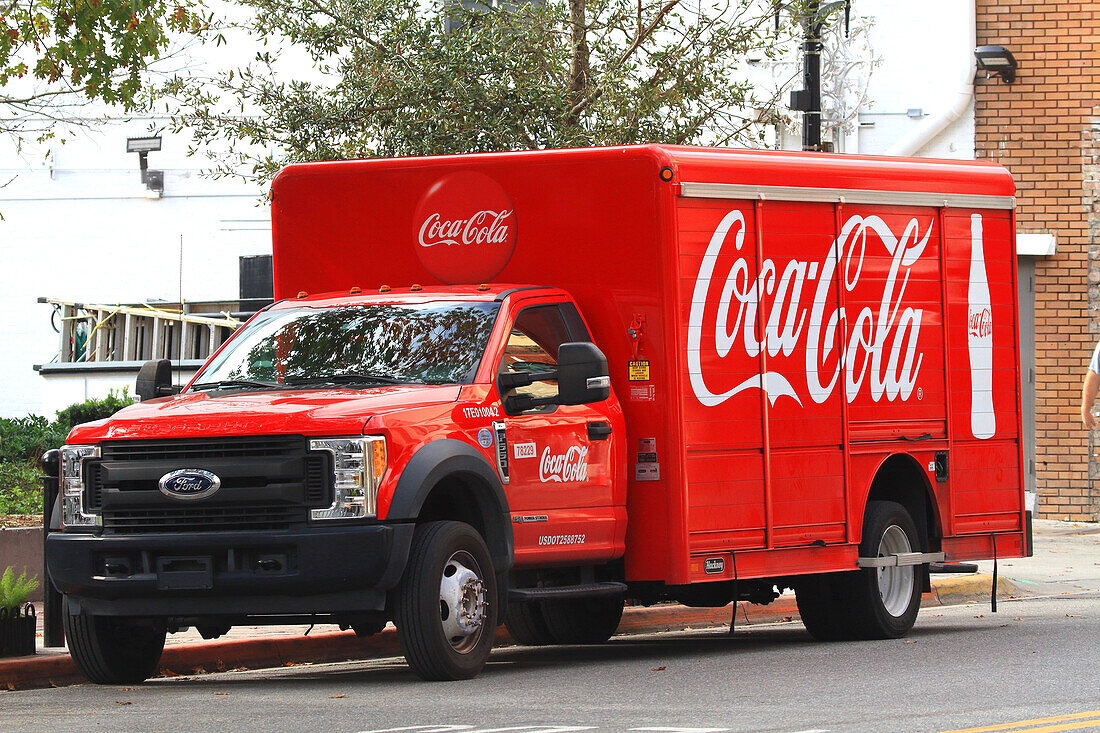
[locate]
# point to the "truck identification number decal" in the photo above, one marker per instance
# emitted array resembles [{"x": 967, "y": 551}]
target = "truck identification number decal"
[
  {"x": 525, "y": 450},
  {"x": 486, "y": 411},
  {"x": 561, "y": 539}
]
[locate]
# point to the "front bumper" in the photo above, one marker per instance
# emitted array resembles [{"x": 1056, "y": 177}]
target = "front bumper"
[{"x": 316, "y": 570}]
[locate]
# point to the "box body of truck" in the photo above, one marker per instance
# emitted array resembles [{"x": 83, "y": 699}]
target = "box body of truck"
[
  {"x": 523, "y": 387},
  {"x": 781, "y": 328}
]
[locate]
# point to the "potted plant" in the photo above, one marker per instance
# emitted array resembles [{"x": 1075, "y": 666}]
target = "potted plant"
[{"x": 17, "y": 617}]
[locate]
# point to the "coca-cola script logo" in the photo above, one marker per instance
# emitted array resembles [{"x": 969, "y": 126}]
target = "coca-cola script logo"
[
  {"x": 980, "y": 323},
  {"x": 465, "y": 228},
  {"x": 568, "y": 467},
  {"x": 881, "y": 342}
]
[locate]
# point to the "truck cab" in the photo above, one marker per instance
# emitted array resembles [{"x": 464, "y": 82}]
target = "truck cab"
[{"x": 287, "y": 480}]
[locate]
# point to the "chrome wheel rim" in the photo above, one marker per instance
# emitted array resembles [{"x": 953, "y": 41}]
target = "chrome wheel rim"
[
  {"x": 462, "y": 602},
  {"x": 895, "y": 584}
]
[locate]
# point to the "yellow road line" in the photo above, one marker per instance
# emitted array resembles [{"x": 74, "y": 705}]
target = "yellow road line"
[{"x": 1037, "y": 721}]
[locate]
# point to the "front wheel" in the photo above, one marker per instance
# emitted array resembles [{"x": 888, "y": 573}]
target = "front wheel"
[
  {"x": 113, "y": 650},
  {"x": 883, "y": 602},
  {"x": 445, "y": 608}
]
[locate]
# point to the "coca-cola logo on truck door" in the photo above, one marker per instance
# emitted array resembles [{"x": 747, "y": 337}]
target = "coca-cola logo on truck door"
[{"x": 465, "y": 228}]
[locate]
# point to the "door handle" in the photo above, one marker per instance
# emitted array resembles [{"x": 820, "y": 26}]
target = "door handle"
[{"x": 598, "y": 430}]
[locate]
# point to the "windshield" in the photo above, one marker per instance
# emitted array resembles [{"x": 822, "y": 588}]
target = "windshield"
[{"x": 428, "y": 343}]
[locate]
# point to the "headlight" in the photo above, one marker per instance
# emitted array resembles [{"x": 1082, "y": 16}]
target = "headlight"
[
  {"x": 357, "y": 468},
  {"x": 71, "y": 489}
]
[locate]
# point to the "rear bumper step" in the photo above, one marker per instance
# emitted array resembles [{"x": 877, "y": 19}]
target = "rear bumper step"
[
  {"x": 587, "y": 590},
  {"x": 952, "y": 567},
  {"x": 901, "y": 558}
]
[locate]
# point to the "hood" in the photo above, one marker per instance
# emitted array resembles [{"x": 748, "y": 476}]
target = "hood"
[{"x": 280, "y": 412}]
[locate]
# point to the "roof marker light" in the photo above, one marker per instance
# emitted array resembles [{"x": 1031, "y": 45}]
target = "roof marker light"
[
  {"x": 416, "y": 288},
  {"x": 302, "y": 294},
  {"x": 482, "y": 288},
  {"x": 384, "y": 289},
  {"x": 356, "y": 290}
]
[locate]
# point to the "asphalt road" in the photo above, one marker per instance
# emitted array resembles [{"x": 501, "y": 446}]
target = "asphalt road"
[{"x": 961, "y": 667}]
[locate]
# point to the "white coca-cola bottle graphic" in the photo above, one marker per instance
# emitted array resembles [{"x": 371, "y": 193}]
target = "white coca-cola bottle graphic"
[{"x": 983, "y": 421}]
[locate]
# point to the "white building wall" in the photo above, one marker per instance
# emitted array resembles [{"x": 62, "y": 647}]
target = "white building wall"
[{"x": 80, "y": 225}]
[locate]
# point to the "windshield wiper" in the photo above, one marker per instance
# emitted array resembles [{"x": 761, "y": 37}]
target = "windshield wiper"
[
  {"x": 237, "y": 383},
  {"x": 346, "y": 378}
]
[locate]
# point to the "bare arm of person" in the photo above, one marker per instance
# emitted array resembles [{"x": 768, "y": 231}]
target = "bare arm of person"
[{"x": 1088, "y": 396}]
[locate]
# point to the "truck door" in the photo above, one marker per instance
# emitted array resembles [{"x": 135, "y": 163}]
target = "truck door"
[{"x": 560, "y": 456}]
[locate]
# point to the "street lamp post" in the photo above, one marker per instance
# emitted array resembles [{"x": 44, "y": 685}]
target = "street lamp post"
[{"x": 808, "y": 99}]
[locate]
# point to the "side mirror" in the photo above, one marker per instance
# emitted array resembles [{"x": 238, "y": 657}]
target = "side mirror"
[
  {"x": 154, "y": 380},
  {"x": 582, "y": 374}
]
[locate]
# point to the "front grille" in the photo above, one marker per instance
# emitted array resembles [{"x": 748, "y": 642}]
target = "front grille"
[
  {"x": 196, "y": 450},
  {"x": 266, "y": 483},
  {"x": 201, "y": 519}
]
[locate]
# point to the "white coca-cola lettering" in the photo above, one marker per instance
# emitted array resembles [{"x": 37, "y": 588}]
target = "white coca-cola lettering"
[
  {"x": 484, "y": 227},
  {"x": 568, "y": 467},
  {"x": 880, "y": 343}
]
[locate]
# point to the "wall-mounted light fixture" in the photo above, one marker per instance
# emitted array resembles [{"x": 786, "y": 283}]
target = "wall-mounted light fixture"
[
  {"x": 997, "y": 61},
  {"x": 153, "y": 180}
]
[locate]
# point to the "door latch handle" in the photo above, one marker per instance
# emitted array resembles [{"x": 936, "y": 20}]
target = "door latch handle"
[{"x": 598, "y": 430}]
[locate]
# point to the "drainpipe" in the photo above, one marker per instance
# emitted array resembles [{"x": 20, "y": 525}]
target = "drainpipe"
[{"x": 933, "y": 125}]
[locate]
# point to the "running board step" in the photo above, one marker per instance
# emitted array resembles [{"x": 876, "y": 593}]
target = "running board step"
[
  {"x": 588, "y": 590},
  {"x": 952, "y": 567},
  {"x": 901, "y": 558}
]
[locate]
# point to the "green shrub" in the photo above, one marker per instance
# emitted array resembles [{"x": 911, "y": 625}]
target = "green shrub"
[
  {"x": 27, "y": 438},
  {"x": 96, "y": 409},
  {"x": 14, "y": 591},
  {"x": 20, "y": 488}
]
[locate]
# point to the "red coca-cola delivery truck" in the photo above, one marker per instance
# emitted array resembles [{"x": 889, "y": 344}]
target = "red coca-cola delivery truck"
[{"x": 523, "y": 387}]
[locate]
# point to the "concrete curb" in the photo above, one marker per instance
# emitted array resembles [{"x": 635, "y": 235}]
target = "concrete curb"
[{"x": 55, "y": 669}]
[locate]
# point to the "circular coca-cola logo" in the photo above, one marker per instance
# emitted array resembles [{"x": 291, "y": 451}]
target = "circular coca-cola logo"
[{"x": 465, "y": 228}]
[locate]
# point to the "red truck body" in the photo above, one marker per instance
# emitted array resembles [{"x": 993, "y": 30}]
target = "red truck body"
[
  {"x": 521, "y": 387},
  {"x": 844, "y": 280}
]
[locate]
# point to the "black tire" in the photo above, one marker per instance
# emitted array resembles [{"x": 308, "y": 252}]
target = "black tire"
[
  {"x": 820, "y": 606},
  {"x": 527, "y": 625},
  {"x": 873, "y": 613},
  {"x": 113, "y": 650},
  {"x": 446, "y": 550},
  {"x": 583, "y": 620}
]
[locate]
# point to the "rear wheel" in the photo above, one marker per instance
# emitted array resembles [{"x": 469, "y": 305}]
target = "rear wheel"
[
  {"x": 527, "y": 625},
  {"x": 883, "y": 602},
  {"x": 820, "y": 607},
  {"x": 445, "y": 608},
  {"x": 583, "y": 620},
  {"x": 112, "y": 650}
]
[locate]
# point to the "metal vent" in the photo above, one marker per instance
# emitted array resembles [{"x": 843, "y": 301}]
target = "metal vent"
[
  {"x": 318, "y": 481},
  {"x": 202, "y": 519}
]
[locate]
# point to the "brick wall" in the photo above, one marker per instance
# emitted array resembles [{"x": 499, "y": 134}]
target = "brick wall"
[{"x": 1043, "y": 128}]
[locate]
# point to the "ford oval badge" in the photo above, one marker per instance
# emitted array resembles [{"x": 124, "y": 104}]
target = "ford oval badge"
[{"x": 189, "y": 484}]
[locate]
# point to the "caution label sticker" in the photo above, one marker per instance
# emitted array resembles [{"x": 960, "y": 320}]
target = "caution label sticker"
[{"x": 639, "y": 371}]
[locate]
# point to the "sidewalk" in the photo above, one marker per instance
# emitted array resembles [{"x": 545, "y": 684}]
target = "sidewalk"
[{"x": 1067, "y": 560}]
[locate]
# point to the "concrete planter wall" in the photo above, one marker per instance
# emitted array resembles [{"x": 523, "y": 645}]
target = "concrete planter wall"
[{"x": 21, "y": 547}]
